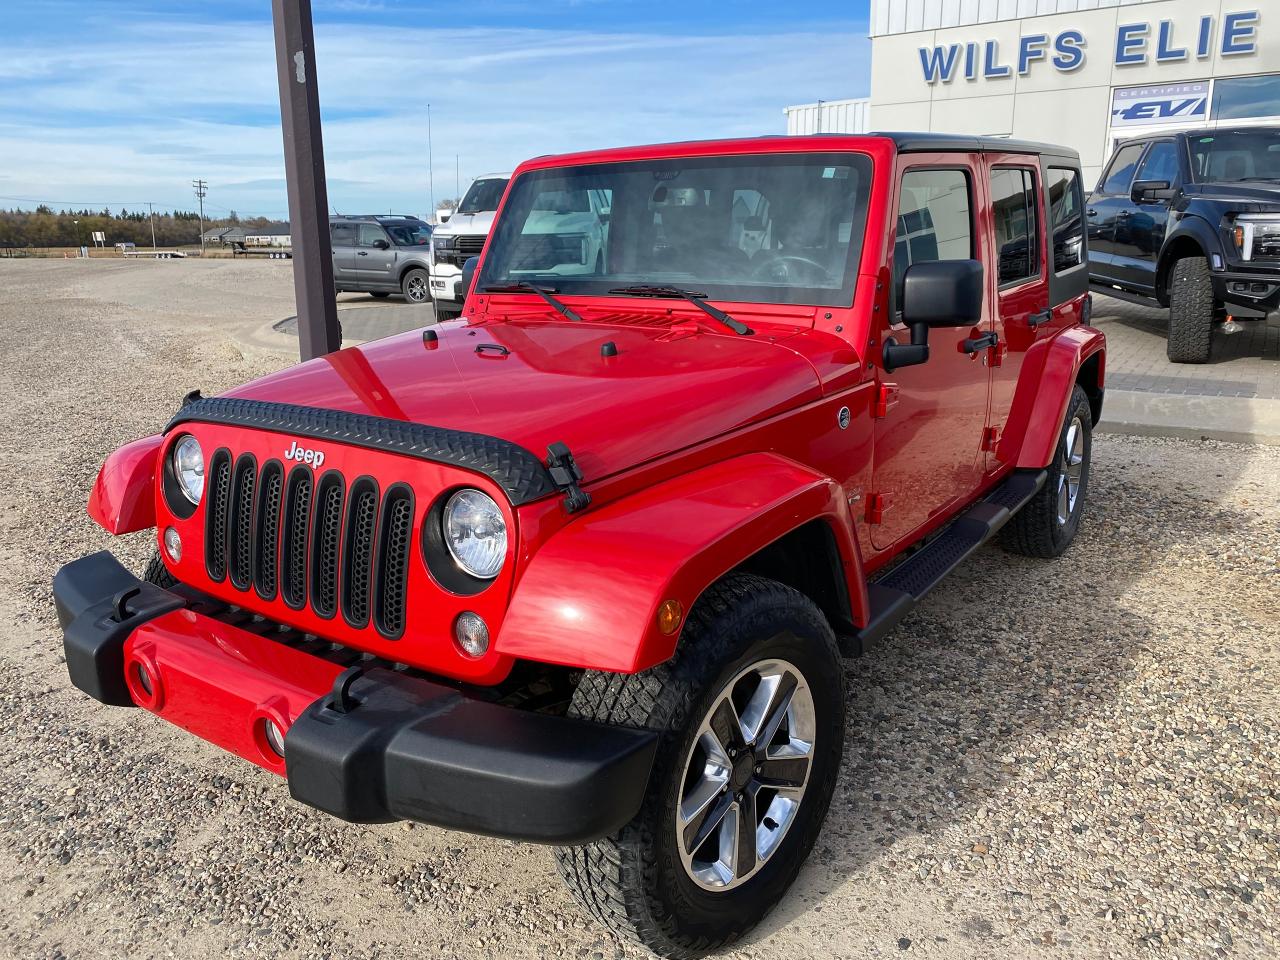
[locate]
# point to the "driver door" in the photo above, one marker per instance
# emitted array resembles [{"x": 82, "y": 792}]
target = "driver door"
[{"x": 931, "y": 417}]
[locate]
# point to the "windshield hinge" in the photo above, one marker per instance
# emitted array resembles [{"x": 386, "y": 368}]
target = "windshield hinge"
[{"x": 566, "y": 476}]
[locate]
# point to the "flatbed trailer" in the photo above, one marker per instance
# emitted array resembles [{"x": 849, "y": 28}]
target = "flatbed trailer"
[{"x": 154, "y": 254}]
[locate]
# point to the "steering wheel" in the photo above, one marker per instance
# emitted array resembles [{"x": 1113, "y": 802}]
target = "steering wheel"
[{"x": 777, "y": 268}]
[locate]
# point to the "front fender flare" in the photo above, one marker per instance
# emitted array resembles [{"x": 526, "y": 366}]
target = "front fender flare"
[
  {"x": 123, "y": 497},
  {"x": 1061, "y": 359},
  {"x": 590, "y": 595}
]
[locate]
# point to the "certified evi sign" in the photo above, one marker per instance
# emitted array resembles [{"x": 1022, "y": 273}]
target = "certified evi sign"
[
  {"x": 1232, "y": 35},
  {"x": 1160, "y": 103}
]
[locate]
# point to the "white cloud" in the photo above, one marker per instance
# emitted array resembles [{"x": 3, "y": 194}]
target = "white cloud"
[{"x": 136, "y": 114}]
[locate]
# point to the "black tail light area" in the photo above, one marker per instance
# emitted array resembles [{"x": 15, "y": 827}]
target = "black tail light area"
[{"x": 215, "y": 531}]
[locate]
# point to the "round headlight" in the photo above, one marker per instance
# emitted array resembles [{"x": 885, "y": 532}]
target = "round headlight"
[
  {"x": 476, "y": 533},
  {"x": 188, "y": 467}
]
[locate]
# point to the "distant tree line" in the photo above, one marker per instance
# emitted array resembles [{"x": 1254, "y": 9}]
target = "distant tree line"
[{"x": 44, "y": 227}]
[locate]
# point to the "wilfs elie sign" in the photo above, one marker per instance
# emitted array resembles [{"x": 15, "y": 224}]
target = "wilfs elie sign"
[{"x": 1134, "y": 43}]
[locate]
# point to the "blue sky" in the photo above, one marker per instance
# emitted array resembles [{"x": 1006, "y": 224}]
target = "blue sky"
[{"x": 118, "y": 103}]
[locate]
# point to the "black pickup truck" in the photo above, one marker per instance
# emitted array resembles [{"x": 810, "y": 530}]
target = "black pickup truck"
[{"x": 1190, "y": 221}]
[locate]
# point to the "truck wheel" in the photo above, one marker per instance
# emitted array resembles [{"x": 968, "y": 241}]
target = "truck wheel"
[
  {"x": 751, "y": 716},
  {"x": 1190, "y": 311},
  {"x": 1046, "y": 526},
  {"x": 416, "y": 286},
  {"x": 158, "y": 573}
]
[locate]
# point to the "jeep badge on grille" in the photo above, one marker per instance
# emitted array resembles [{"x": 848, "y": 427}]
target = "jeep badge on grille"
[{"x": 303, "y": 455}]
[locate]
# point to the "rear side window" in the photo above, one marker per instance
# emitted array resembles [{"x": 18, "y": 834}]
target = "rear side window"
[
  {"x": 934, "y": 220},
  {"x": 1066, "y": 223},
  {"x": 1013, "y": 205},
  {"x": 1120, "y": 175},
  {"x": 344, "y": 234},
  {"x": 1161, "y": 163}
]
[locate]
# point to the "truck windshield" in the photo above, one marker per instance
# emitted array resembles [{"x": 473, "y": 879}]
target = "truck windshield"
[
  {"x": 1233, "y": 155},
  {"x": 483, "y": 196},
  {"x": 780, "y": 228}
]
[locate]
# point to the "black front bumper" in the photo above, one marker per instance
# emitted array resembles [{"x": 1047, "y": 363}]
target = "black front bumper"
[
  {"x": 384, "y": 745},
  {"x": 1250, "y": 294}
]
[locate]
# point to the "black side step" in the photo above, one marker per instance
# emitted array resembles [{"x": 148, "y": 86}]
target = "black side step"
[
  {"x": 1129, "y": 296},
  {"x": 895, "y": 594}
]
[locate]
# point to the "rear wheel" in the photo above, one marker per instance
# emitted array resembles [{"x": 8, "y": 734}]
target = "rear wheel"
[
  {"x": 416, "y": 286},
  {"x": 750, "y": 712},
  {"x": 1191, "y": 311},
  {"x": 1048, "y": 523}
]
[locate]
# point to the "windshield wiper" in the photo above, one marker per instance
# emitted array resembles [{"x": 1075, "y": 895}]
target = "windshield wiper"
[
  {"x": 694, "y": 297},
  {"x": 544, "y": 292}
]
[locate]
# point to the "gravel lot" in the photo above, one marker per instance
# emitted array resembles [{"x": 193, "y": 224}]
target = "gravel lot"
[{"x": 1071, "y": 759}]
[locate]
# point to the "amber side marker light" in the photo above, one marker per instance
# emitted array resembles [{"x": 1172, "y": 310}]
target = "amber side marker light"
[{"x": 670, "y": 616}]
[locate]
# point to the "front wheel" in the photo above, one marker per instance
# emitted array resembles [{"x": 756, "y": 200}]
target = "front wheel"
[
  {"x": 750, "y": 713},
  {"x": 416, "y": 286},
  {"x": 1191, "y": 311}
]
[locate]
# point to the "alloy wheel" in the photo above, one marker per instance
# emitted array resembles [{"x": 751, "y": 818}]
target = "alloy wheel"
[
  {"x": 416, "y": 289},
  {"x": 1072, "y": 470},
  {"x": 745, "y": 777}
]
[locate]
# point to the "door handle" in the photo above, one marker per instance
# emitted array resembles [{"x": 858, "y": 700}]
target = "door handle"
[
  {"x": 362, "y": 253},
  {"x": 984, "y": 342},
  {"x": 1035, "y": 319}
]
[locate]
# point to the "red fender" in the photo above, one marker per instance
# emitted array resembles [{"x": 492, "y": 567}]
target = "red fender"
[
  {"x": 1038, "y": 412},
  {"x": 590, "y": 595},
  {"x": 123, "y": 498}
]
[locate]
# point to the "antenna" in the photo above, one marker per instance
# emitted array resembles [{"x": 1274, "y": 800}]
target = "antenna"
[{"x": 431, "y": 173}]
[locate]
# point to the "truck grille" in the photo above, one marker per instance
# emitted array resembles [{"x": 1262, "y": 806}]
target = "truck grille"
[
  {"x": 470, "y": 246},
  {"x": 314, "y": 541}
]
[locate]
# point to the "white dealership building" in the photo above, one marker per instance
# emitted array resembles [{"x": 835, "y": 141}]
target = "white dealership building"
[{"x": 1080, "y": 72}]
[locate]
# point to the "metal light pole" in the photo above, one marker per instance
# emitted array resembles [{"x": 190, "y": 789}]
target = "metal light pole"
[
  {"x": 152, "y": 215},
  {"x": 431, "y": 173},
  {"x": 201, "y": 189},
  {"x": 318, "y": 329},
  {"x": 77, "y": 223}
]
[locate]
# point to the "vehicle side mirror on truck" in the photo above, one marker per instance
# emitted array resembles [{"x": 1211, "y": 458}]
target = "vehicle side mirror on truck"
[
  {"x": 469, "y": 275},
  {"x": 1148, "y": 190},
  {"x": 935, "y": 293}
]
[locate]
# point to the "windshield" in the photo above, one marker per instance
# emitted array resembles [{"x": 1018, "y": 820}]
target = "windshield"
[
  {"x": 782, "y": 228},
  {"x": 1233, "y": 155},
  {"x": 483, "y": 196},
  {"x": 408, "y": 234}
]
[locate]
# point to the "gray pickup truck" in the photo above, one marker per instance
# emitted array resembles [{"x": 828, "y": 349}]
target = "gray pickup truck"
[{"x": 382, "y": 255}]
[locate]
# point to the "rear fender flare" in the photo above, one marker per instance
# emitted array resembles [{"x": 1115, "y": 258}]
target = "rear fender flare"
[
  {"x": 590, "y": 596},
  {"x": 1062, "y": 357},
  {"x": 123, "y": 497}
]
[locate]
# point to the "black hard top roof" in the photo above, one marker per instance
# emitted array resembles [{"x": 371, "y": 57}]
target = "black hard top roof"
[{"x": 945, "y": 142}]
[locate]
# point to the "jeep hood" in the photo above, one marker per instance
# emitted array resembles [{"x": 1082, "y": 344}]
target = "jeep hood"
[{"x": 538, "y": 382}]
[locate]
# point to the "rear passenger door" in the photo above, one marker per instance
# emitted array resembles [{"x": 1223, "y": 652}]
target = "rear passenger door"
[
  {"x": 1017, "y": 282},
  {"x": 342, "y": 237}
]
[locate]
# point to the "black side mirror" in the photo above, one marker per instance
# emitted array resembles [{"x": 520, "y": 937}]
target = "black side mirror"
[
  {"x": 469, "y": 275},
  {"x": 381, "y": 244},
  {"x": 1150, "y": 190},
  {"x": 935, "y": 293}
]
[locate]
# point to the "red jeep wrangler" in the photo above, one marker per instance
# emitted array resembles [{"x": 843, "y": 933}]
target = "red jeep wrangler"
[{"x": 580, "y": 567}]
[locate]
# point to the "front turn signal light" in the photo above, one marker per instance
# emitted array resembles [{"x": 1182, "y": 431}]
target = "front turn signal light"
[{"x": 670, "y": 616}]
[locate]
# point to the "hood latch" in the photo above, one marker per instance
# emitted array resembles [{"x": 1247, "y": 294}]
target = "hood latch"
[{"x": 567, "y": 476}]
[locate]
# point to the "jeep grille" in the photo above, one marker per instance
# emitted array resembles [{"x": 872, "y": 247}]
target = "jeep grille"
[{"x": 321, "y": 544}]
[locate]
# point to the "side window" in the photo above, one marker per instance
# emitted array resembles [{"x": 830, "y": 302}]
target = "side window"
[
  {"x": 1161, "y": 163},
  {"x": 369, "y": 232},
  {"x": 1120, "y": 174},
  {"x": 935, "y": 221},
  {"x": 344, "y": 235},
  {"x": 1014, "y": 209},
  {"x": 1065, "y": 204}
]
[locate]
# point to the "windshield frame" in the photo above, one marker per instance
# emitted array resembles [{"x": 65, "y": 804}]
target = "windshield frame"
[
  {"x": 1225, "y": 135},
  {"x": 516, "y": 209}
]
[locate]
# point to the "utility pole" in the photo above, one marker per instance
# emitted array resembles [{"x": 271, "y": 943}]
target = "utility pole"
[
  {"x": 201, "y": 189},
  {"x": 318, "y": 329},
  {"x": 152, "y": 215},
  {"x": 431, "y": 173}
]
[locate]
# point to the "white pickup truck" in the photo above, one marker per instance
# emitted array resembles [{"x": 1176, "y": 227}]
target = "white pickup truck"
[{"x": 460, "y": 238}]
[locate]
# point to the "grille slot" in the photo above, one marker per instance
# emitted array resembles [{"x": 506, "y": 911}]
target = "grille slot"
[
  {"x": 392, "y": 581},
  {"x": 266, "y": 568},
  {"x": 471, "y": 246},
  {"x": 215, "y": 531},
  {"x": 357, "y": 555},
  {"x": 297, "y": 520},
  {"x": 240, "y": 527},
  {"x": 326, "y": 540}
]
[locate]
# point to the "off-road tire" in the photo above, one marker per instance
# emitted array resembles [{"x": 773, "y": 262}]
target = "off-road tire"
[
  {"x": 1034, "y": 531},
  {"x": 158, "y": 573},
  {"x": 634, "y": 882},
  {"x": 416, "y": 286},
  {"x": 1190, "y": 311}
]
